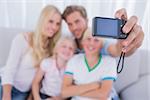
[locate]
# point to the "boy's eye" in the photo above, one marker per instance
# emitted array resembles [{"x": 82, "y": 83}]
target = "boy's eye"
[
  {"x": 88, "y": 39},
  {"x": 96, "y": 40}
]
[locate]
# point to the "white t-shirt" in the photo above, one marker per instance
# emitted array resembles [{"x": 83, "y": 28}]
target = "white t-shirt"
[
  {"x": 51, "y": 84},
  {"x": 105, "y": 69},
  {"x": 19, "y": 70}
]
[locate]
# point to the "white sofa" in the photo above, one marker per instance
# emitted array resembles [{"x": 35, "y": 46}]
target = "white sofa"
[{"x": 132, "y": 84}]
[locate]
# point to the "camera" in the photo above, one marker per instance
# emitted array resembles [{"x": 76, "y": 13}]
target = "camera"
[{"x": 108, "y": 27}]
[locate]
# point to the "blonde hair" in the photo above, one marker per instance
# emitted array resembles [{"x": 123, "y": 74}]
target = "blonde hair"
[
  {"x": 42, "y": 46},
  {"x": 88, "y": 32},
  {"x": 60, "y": 41}
]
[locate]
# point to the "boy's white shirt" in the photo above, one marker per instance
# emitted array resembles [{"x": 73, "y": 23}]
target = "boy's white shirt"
[{"x": 81, "y": 75}]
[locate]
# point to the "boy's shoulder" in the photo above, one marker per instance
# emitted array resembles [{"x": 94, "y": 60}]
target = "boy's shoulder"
[{"x": 108, "y": 58}]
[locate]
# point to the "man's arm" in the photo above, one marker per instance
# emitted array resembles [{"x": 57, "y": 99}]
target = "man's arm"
[{"x": 134, "y": 39}]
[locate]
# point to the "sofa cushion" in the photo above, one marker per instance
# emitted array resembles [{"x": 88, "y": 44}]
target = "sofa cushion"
[
  {"x": 137, "y": 91},
  {"x": 129, "y": 73}
]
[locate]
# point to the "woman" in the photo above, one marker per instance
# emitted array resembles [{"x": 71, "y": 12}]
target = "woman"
[{"x": 27, "y": 51}]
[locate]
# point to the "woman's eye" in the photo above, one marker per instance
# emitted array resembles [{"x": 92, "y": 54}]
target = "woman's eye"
[{"x": 58, "y": 24}]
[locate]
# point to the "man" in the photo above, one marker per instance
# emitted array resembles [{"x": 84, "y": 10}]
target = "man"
[{"x": 76, "y": 18}]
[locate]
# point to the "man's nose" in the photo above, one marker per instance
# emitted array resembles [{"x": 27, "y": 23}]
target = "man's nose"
[{"x": 74, "y": 27}]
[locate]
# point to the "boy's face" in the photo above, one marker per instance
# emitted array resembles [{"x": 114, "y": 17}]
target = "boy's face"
[
  {"x": 92, "y": 45},
  {"x": 77, "y": 24}
]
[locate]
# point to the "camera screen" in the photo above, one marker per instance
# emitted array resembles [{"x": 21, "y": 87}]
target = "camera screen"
[{"x": 106, "y": 27}]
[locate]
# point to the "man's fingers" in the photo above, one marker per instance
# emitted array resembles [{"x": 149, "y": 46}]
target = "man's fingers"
[
  {"x": 121, "y": 14},
  {"x": 136, "y": 31},
  {"x": 130, "y": 24},
  {"x": 136, "y": 43},
  {"x": 129, "y": 39}
]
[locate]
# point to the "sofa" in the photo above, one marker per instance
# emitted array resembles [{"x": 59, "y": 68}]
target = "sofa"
[{"x": 133, "y": 83}]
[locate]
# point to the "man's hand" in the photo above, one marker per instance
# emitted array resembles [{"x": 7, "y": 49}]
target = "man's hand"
[{"x": 136, "y": 35}]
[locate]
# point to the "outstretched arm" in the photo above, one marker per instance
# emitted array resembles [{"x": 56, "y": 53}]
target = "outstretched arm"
[{"x": 133, "y": 41}]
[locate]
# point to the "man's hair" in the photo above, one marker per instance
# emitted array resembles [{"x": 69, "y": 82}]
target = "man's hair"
[{"x": 72, "y": 8}]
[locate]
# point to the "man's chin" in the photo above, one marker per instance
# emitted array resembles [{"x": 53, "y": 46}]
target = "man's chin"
[{"x": 78, "y": 37}]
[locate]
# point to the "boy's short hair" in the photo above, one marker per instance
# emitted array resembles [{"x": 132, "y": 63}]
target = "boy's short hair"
[
  {"x": 72, "y": 8},
  {"x": 88, "y": 32}
]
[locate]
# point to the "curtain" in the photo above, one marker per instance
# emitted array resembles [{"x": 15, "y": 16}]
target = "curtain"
[{"x": 24, "y": 13}]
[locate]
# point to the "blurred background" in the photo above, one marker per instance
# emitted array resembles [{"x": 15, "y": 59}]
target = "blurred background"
[{"x": 24, "y": 13}]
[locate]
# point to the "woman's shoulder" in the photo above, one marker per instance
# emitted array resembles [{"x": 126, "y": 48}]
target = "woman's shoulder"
[
  {"x": 22, "y": 37},
  {"x": 19, "y": 41},
  {"x": 28, "y": 36},
  {"x": 18, "y": 37}
]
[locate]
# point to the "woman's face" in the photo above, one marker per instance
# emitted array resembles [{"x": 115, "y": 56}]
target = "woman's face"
[
  {"x": 52, "y": 25},
  {"x": 92, "y": 45},
  {"x": 65, "y": 50}
]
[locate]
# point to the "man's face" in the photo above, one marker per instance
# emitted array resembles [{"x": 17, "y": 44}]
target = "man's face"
[{"x": 77, "y": 24}]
